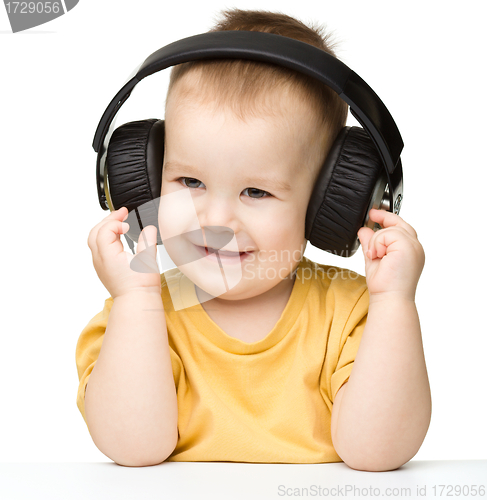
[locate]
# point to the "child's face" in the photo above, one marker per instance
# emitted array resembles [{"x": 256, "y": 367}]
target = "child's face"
[{"x": 229, "y": 166}]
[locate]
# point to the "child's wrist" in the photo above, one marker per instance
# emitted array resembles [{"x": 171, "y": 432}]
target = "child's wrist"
[
  {"x": 142, "y": 291},
  {"x": 388, "y": 296}
]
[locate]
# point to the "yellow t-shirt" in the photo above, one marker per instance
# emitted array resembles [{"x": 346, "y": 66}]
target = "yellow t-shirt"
[{"x": 269, "y": 401}]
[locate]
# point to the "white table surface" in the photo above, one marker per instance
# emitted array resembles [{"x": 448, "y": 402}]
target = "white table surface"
[{"x": 225, "y": 480}]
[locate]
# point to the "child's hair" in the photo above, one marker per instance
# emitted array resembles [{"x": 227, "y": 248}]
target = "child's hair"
[{"x": 243, "y": 85}]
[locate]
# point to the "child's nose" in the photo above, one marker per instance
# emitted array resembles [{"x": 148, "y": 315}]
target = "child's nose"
[
  {"x": 218, "y": 213},
  {"x": 218, "y": 237}
]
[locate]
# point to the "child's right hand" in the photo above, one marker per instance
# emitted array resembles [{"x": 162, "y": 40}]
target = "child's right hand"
[{"x": 112, "y": 263}]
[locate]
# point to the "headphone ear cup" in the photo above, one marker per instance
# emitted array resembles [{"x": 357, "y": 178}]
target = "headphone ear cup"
[
  {"x": 343, "y": 193},
  {"x": 134, "y": 165}
]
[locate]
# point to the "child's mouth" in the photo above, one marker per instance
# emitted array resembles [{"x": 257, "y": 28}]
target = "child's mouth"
[{"x": 224, "y": 256}]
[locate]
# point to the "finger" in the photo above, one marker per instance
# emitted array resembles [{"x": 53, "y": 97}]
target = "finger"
[
  {"x": 378, "y": 247},
  {"x": 116, "y": 214},
  {"x": 389, "y": 219},
  {"x": 383, "y": 242},
  {"x": 365, "y": 234},
  {"x": 108, "y": 238},
  {"x": 120, "y": 214},
  {"x": 147, "y": 239},
  {"x": 144, "y": 261}
]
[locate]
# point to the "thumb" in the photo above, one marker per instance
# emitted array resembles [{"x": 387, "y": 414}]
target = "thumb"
[
  {"x": 147, "y": 239},
  {"x": 144, "y": 261},
  {"x": 365, "y": 234}
]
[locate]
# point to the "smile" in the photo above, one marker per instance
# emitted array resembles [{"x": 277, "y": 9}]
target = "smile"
[{"x": 225, "y": 256}]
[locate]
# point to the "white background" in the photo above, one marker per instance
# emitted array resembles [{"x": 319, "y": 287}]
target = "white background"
[{"x": 424, "y": 59}]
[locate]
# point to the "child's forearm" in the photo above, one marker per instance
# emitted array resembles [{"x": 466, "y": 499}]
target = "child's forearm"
[
  {"x": 386, "y": 406},
  {"x": 130, "y": 401}
]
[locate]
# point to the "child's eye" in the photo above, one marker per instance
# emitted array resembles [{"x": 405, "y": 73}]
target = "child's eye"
[
  {"x": 182, "y": 179},
  {"x": 259, "y": 192},
  {"x": 264, "y": 194}
]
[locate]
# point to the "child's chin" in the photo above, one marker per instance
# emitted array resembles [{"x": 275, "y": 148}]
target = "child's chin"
[
  {"x": 209, "y": 278},
  {"x": 239, "y": 292}
]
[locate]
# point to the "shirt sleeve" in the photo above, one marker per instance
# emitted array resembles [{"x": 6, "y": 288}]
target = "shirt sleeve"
[
  {"x": 88, "y": 350},
  {"x": 349, "y": 343}
]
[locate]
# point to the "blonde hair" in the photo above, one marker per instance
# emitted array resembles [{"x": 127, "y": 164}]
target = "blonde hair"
[{"x": 244, "y": 86}]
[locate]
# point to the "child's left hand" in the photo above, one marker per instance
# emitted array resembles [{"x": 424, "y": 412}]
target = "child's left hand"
[{"x": 394, "y": 258}]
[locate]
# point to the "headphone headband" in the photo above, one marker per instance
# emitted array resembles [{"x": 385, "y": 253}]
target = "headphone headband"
[{"x": 302, "y": 57}]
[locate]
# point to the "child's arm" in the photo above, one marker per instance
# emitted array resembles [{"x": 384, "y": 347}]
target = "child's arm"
[
  {"x": 130, "y": 399},
  {"x": 381, "y": 415}
]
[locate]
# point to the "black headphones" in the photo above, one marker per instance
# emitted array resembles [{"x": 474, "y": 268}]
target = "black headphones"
[{"x": 362, "y": 170}]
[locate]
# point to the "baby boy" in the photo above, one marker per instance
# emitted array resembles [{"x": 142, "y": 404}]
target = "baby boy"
[{"x": 263, "y": 372}]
